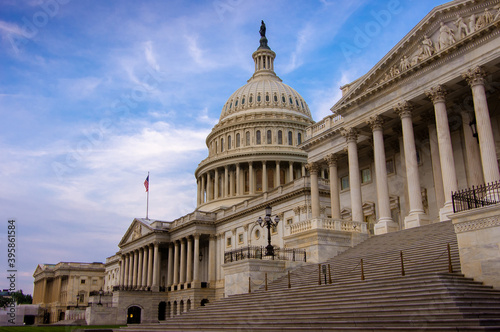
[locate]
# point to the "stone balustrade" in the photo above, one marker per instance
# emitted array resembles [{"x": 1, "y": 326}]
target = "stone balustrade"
[{"x": 329, "y": 224}]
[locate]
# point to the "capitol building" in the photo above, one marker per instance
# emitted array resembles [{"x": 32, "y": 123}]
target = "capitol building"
[{"x": 420, "y": 126}]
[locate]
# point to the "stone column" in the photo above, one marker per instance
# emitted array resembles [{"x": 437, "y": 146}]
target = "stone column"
[
  {"x": 176, "y": 263},
  {"x": 216, "y": 184},
  {"x": 351, "y": 136},
  {"x": 211, "y": 261},
  {"x": 122, "y": 271},
  {"x": 203, "y": 197},
  {"x": 182, "y": 277},
  {"x": 472, "y": 155},
  {"x": 156, "y": 268},
  {"x": 231, "y": 183},
  {"x": 251, "y": 178},
  {"x": 436, "y": 163},
  {"x": 198, "y": 190},
  {"x": 225, "y": 192},
  {"x": 278, "y": 177},
  {"x": 475, "y": 78},
  {"x": 385, "y": 224},
  {"x": 417, "y": 216},
  {"x": 331, "y": 159},
  {"x": 210, "y": 192},
  {"x": 139, "y": 269},
  {"x": 196, "y": 262},
  {"x": 131, "y": 270},
  {"x": 290, "y": 171},
  {"x": 170, "y": 276},
  {"x": 189, "y": 268},
  {"x": 264, "y": 177},
  {"x": 313, "y": 172},
  {"x": 144, "y": 269},
  {"x": 150, "y": 266},
  {"x": 238, "y": 180},
  {"x": 437, "y": 95}
]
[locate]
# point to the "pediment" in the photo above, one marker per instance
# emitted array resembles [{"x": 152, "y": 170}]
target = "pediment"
[
  {"x": 137, "y": 229},
  {"x": 446, "y": 29},
  {"x": 38, "y": 270}
]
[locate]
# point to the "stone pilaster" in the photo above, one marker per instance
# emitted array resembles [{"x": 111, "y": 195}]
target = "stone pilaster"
[
  {"x": 351, "y": 136},
  {"x": 331, "y": 160},
  {"x": 313, "y": 173}
]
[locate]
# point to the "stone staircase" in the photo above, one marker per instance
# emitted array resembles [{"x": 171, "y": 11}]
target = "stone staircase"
[{"x": 427, "y": 298}]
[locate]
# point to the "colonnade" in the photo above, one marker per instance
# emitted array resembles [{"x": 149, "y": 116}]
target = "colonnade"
[
  {"x": 140, "y": 268},
  {"x": 245, "y": 178},
  {"x": 445, "y": 177}
]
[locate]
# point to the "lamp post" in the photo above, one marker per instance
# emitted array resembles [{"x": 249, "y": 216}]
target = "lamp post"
[
  {"x": 77, "y": 299},
  {"x": 268, "y": 222},
  {"x": 100, "y": 294}
]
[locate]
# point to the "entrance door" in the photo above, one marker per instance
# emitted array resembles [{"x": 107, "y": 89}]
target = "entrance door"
[
  {"x": 162, "y": 308},
  {"x": 134, "y": 315}
]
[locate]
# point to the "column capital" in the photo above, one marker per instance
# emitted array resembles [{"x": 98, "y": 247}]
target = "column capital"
[
  {"x": 189, "y": 239},
  {"x": 331, "y": 159},
  {"x": 437, "y": 94},
  {"x": 474, "y": 76},
  {"x": 350, "y": 134},
  {"x": 212, "y": 236},
  {"x": 313, "y": 168},
  {"x": 375, "y": 122},
  {"x": 196, "y": 236},
  {"x": 403, "y": 109}
]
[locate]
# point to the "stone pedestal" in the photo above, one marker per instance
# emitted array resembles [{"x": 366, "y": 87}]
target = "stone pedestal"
[{"x": 478, "y": 235}]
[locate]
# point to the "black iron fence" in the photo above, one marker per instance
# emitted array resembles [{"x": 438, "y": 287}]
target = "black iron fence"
[
  {"x": 476, "y": 197},
  {"x": 256, "y": 252}
]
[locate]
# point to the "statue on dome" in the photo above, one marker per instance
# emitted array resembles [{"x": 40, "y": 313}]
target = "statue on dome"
[
  {"x": 263, "y": 39},
  {"x": 262, "y": 29}
]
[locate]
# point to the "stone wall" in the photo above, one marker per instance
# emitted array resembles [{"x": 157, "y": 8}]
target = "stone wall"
[{"x": 478, "y": 234}]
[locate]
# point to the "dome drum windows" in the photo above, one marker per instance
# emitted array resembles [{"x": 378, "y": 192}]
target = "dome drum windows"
[
  {"x": 269, "y": 137},
  {"x": 247, "y": 138},
  {"x": 229, "y": 142},
  {"x": 238, "y": 138},
  {"x": 222, "y": 145},
  {"x": 290, "y": 138},
  {"x": 280, "y": 137},
  {"x": 257, "y": 137}
]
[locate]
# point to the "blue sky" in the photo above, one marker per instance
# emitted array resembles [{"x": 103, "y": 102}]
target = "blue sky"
[{"x": 94, "y": 94}]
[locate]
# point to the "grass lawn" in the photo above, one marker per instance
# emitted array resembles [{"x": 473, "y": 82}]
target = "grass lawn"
[{"x": 53, "y": 328}]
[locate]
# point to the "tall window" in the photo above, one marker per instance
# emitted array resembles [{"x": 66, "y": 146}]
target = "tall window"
[
  {"x": 257, "y": 137},
  {"x": 229, "y": 142},
  {"x": 216, "y": 147},
  {"x": 269, "y": 137},
  {"x": 299, "y": 138},
  {"x": 247, "y": 138},
  {"x": 344, "y": 182},
  {"x": 366, "y": 175},
  {"x": 280, "y": 137},
  {"x": 238, "y": 140},
  {"x": 258, "y": 180},
  {"x": 221, "y": 145},
  {"x": 290, "y": 138}
]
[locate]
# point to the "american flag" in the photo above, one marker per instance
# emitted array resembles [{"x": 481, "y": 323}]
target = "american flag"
[{"x": 146, "y": 183}]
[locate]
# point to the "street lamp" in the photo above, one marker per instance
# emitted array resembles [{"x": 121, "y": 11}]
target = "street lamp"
[
  {"x": 100, "y": 294},
  {"x": 77, "y": 299},
  {"x": 268, "y": 222}
]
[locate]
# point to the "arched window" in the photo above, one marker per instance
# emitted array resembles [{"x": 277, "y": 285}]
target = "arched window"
[
  {"x": 247, "y": 138},
  {"x": 299, "y": 138},
  {"x": 269, "y": 137},
  {"x": 280, "y": 137},
  {"x": 221, "y": 145},
  {"x": 257, "y": 137},
  {"x": 258, "y": 97},
  {"x": 290, "y": 138},
  {"x": 229, "y": 142},
  {"x": 216, "y": 147},
  {"x": 267, "y": 97},
  {"x": 238, "y": 140}
]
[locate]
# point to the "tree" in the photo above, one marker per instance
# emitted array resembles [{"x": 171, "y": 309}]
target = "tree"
[{"x": 21, "y": 298}]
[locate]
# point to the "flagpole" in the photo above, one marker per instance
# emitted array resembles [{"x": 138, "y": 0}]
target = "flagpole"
[{"x": 147, "y": 204}]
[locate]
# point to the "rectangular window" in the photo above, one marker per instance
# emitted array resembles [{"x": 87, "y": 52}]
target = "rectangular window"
[
  {"x": 82, "y": 281},
  {"x": 240, "y": 238},
  {"x": 289, "y": 221},
  {"x": 366, "y": 175},
  {"x": 344, "y": 182},
  {"x": 94, "y": 282},
  {"x": 389, "y": 165},
  {"x": 228, "y": 242},
  {"x": 274, "y": 229}
]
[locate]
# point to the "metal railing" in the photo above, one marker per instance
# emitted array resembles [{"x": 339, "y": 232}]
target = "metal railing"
[
  {"x": 256, "y": 252},
  {"x": 476, "y": 197}
]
